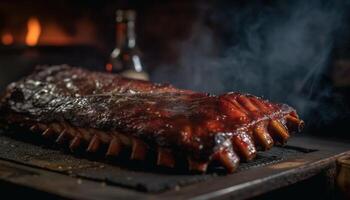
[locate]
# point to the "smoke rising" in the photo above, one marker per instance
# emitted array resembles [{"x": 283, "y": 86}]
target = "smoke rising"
[{"x": 280, "y": 51}]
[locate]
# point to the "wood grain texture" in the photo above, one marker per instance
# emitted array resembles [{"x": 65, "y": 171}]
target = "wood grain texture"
[{"x": 241, "y": 185}]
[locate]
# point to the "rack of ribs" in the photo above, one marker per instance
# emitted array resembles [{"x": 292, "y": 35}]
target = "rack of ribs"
[{"x": 89, "y": 110}]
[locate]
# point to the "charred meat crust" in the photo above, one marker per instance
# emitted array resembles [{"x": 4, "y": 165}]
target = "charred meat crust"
[{"x": 98, "y": 108}]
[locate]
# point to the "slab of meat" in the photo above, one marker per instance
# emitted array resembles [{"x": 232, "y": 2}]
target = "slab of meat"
[{"x": 92, "y": 109}]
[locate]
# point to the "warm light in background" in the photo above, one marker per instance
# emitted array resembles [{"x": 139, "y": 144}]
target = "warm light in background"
[
  {"x": 33, "y": 31},
  {"x": 7, "y": 39},
  {"x": 109, "y": 67}
]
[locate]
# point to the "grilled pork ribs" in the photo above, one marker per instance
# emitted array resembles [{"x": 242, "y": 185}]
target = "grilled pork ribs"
[{"x": 91, "y": 109}]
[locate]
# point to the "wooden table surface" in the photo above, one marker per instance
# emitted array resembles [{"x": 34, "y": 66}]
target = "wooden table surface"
[{"x": 240, "y": 185}]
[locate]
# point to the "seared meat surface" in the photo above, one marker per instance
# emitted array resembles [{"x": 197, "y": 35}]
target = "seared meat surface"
[{"x": 82, "y": 107}]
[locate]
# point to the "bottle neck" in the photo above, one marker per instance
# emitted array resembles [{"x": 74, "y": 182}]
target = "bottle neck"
[
  {"x": 126, "y": 57},
  {"x": 125, "y": 35}
]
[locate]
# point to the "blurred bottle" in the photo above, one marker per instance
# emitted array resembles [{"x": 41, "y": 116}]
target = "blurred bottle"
[{"x": 125, "y": 58}]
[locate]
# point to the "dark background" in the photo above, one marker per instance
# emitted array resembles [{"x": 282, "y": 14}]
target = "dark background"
[{"x": 295, "y": 52}]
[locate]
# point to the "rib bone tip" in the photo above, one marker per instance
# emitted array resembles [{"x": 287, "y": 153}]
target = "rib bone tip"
[
  {"x": 139, "y": 150},
  {"x": 165, "y": 158},
  {"x": 262, "y": 137},
  {"x": 47, "y": 133},
  {"x": 114, "y": 147},
  {"x": 278, "y": 131},
  {"x": 228, "y": 159},
  {"x": 33, "y": 128},
  {"x": 61, "y": 137},
  {"x": 94, "y": 144},
  {"x": 244, "y": 146},
  {"x": 75, "y": 143},
  {"x": 294, "y": 123}
]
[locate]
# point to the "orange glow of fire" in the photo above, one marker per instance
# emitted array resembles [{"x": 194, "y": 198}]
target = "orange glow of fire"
[
  {"x": 48, "y": 32},
  {"x": 7, "y": 39},
  {"x": 54, "y": 34},
  {"x": 33, "y": 31}
]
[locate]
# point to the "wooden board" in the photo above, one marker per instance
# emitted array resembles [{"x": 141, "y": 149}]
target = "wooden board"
[{"x": 240, "y": 185}]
